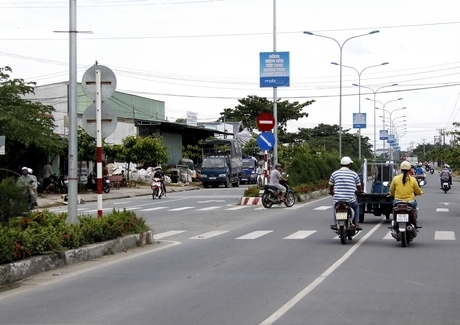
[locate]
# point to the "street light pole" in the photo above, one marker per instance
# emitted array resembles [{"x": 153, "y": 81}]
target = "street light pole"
[
  {"x": 375, "y": 118},
  {"x": 340, "y": 83},
  {"x": 359, "y": 96},
  {"x": 384, "y": 110}
]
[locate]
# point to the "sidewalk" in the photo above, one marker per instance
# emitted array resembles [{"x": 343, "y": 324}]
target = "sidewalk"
[{"x": 49, "y": 200}]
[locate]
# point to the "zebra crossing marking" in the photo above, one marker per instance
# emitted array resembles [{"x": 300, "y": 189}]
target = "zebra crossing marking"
[
  {"x": 181, "y": 209},
  {"x": 167, "y": 234},
  {"x": 444, "y": 235},
  {"x": 209, "y": 208},
  {"x": 301, "y": 234},
  {"x": 255, "y": 234},
  {"x": 442, "y": 210},
  {"x": 209, "y": 234},
  {"x": 323, "y": 207},
  {"x": 155, "y": 208}
]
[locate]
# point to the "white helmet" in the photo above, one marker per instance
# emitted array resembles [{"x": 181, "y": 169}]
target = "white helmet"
[
  {"x": 346, "y": 161},
  {"x": 30, "y": 170}
]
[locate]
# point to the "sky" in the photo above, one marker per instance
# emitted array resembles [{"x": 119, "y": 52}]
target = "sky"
[{"x": 203, "y": 55}]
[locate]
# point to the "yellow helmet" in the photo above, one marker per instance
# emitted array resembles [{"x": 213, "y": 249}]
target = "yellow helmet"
[{"x": 405, "y": 165}]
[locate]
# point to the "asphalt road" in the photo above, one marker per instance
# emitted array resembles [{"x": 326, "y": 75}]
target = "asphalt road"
[{"x": 220, "y": 263}]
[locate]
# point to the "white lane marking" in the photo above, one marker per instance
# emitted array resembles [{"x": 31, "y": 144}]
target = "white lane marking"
[
  {"x": 155, "y": 208},
  {"x": 180, "y": 209},
  {"x": 237, "y": 208},
  {"x": 132, "y": 208},
  {"x": 123, "y": 202},
  {"x": 444, "y": 235},
  {"x": 209, "y": 208},
  {"x": 388, "y": 236},
  {"x": 208, "y": 201},
  {"x": 255, "y": 234},
  {"x": 209, "y": 234},
  {"x": 301, "y": 234},
  {"x": 95, "y": 210},
  {"x": 302, "y": 294},
  {"x": 323, "y": 207},
  {"x": 167, "y": 234},
  {"x": 442, "y": 210}
]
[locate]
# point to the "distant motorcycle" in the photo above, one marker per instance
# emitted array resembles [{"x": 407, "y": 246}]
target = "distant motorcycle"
[
  {"x": 344, "y": 215},
  {"x": 421, "y": 180},
  {"x": 92, "y": 183},
  {"x": 156, "y": 187},
  {"x": 273, "y": 196},
  {"x": 404, "y": 225},
  {"x": 57, "y": 184},
  {"x": 432, "y": 171}
]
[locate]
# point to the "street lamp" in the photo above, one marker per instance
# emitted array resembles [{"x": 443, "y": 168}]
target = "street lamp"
[
  {"x": 375, "y": 119},
  {"x": 384, "y": 110},
  {"x": 340, "y": 84},
  {"x": 359, "y": 95}
]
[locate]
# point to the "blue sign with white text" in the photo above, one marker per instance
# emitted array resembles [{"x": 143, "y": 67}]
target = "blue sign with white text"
[
  {"x": 266, "y": 140},
  {"x": 274, "y": 69},
  {"x": 383, "y": 134},
  {"x": 359, "y": 120}
]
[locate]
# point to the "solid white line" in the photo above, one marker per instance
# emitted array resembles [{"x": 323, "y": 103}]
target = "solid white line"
[
  {"x": 291, "y": 303},
  {"x": 301, "y": 234},
  {"x": 124, "y": 202},
  {"x": 444, "y": 235},
  {"x": 388, "y": 236},
  {"x": 167, "y": 234},
  {"x": 255, "y": 234},
  {"x": 209, "y": 234}
]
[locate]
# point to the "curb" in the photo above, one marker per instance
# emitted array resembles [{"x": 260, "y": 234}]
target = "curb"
[
  {"x": 250, "y": 201},
  {"x": 19, "y": 270}
]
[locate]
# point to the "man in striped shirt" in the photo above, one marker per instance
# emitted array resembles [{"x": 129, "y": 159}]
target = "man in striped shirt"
[{"x": 343, "y": 185}]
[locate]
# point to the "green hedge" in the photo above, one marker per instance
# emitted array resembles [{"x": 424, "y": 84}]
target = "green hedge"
[{"x": 42, "y": 233}]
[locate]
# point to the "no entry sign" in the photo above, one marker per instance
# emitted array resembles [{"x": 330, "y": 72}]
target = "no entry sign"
[{"x": 265, "y": 122}]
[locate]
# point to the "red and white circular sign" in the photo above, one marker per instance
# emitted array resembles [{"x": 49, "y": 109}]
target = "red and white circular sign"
[{"x": 265, "y": 122}]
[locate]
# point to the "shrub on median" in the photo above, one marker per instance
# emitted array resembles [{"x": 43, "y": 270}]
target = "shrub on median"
[{"x": 43, "y": 233}]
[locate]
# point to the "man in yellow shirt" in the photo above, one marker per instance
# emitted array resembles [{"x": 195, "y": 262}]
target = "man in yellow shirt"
[{"x": 405, "y": 187}]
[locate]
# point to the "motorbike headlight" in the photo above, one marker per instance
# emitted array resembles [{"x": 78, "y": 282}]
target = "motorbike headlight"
[{"x": 222, "y": 175}]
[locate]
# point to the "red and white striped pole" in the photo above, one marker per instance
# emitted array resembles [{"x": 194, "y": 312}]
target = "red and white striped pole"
[
  {"x": 99, "y": 142},
  {"x": 266, "y": 171}
]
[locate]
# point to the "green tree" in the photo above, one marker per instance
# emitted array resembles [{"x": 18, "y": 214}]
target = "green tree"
[
  {"x": 26, "y": 125},
  {"x": 252, "y": 106},
  {"x": 13, "y": 201}
]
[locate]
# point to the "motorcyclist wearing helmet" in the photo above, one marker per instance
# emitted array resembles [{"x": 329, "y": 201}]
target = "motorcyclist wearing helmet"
[
  {"x": 419, "y": 170},
  {"x": 445, "y": 175},
  {"x": 343, "y": 185},
  {"x": 158, "y": 173},
  {"x": 275, "y": 178},
  {"x": 404, "y": 187},
  {"x": 30, "y": 183}
]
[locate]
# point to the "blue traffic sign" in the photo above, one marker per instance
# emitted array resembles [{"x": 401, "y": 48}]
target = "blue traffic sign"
[{"x": 266, "y": 140}]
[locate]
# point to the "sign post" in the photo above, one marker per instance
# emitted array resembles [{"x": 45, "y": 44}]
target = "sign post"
[
  {"x": 266, "y": 140},
  {"x": 99, "y": 83}
]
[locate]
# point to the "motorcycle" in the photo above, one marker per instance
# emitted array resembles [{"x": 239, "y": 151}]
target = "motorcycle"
[
  {"x": 421, "y": 180},
  {"x": 272, "y": 195},
  {"x": 157, "y": 188},
  {"x": 92, "y": 183},
  {"x": 344, "y": 215},
  {"x": 57, "y": 184},
  {"x": 404, "y": 224},
  {"x": 445, "y": 186},
  {"x": 432, "y": 171}
]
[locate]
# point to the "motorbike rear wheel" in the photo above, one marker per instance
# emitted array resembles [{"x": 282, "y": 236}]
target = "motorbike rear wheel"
[
  {"x": 154, "y": 193},
  {"x": 343, "y": 237},
  {"x": 290, "y": 199},
  {"x": 403, "y": 239},
  {"x": 266, "y": 201}
]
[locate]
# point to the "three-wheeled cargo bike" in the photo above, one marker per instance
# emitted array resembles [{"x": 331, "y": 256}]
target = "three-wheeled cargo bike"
[{"x": 376, "y": 178}]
